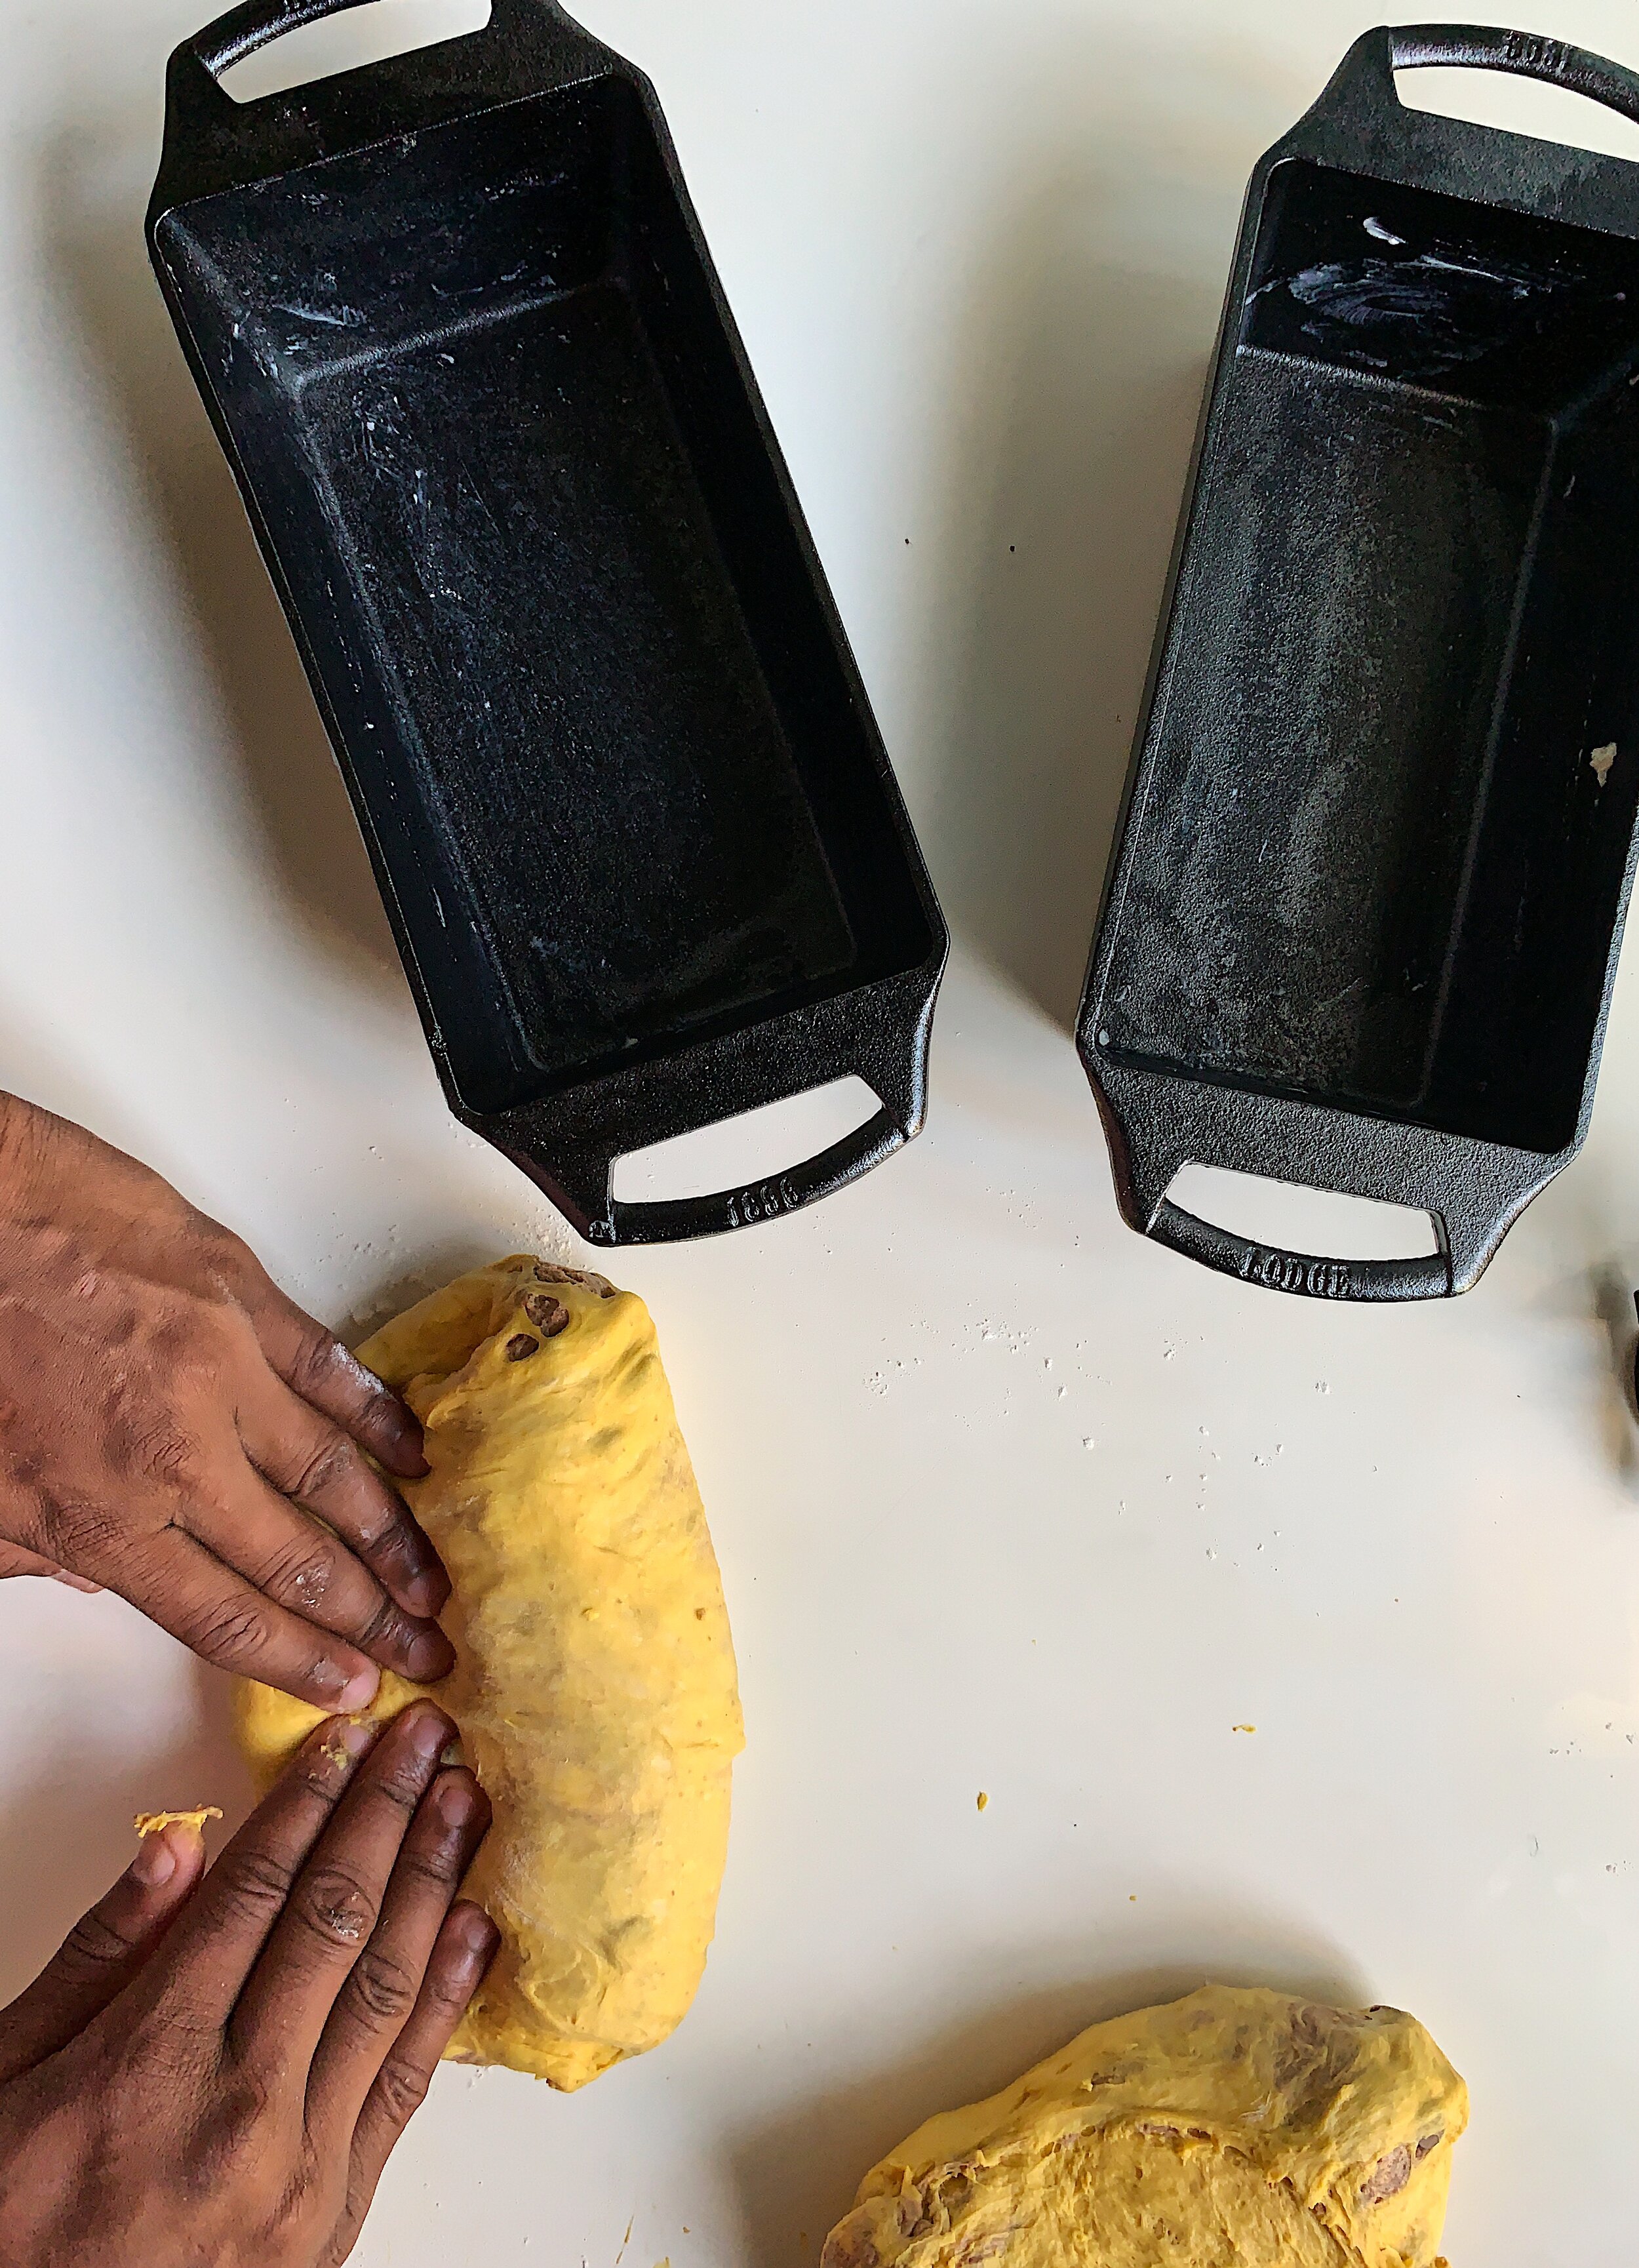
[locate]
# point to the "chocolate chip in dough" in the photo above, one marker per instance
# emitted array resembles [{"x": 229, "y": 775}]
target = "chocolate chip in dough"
[
  {"x": 1389, "y": 2178},
  {"x": 522, "y": 1347},
  {"x": 548, "y": 1316}
]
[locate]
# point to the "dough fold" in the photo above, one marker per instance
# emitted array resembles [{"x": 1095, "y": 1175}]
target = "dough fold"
[
  {"x": 1234, "y": 2129},
  {"x": 595, "y": 1688}
]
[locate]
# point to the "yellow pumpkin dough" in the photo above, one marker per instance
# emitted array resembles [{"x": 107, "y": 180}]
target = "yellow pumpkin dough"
[
  {"x": 595, "y": 1686},
  {"x": 155, "y": 1822},
  {"x": 1230, "y": 2130}
]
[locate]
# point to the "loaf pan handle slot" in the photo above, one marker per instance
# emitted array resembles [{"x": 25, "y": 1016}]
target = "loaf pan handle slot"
[
  {"x": 1361, "y": 92},
  {"x": 671, "y": 1220},
  {"x": 1310, "y": 1277},
  {"x": 213, "y": 141},
  {"x": 246, "y": 30},
  {"x": 1478, "y": 47}
]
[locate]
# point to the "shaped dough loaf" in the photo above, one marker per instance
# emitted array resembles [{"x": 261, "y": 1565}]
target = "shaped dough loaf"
[
  {"x": 595, "y": 1684},
  {"x": 1230, "y": 2130}
]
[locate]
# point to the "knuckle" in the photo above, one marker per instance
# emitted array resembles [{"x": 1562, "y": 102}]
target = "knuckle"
[
  {"x": 229, "y": 1633},
  {"x": 302, "y": 1574},
  {"x": 402, "y": 2086},
  {"x": 402, "y": 1783},
  {"x": 384, "y": 1988},
  {"x": 243, "y": 2103},
  {"x": 193, "y": 1329},
  {"x": 313, "y": 1364},
  {"x": 256, "y": 1886},
  {"x": 230, "y": 2151},
  {"x": 449, "y": 1994},
  {"x": 75, "y": 1534},
  {"x": 332, "y": 1464},
  {"x": 381, "y": 1524},
  {"x": 337, "y": 1908},
  {"x": 227, "y": 1262},
  {"x": 93, "y": 1946},
  {"x": 385, "y": 1626},
  {"x": 165, "y": 1455},
  {"x": 439, "y": 1868}
]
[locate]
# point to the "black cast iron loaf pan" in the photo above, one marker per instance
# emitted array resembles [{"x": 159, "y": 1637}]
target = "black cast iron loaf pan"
[
  {"x": 1362, "y": 917},
  {"x": 643, "y": 854}
]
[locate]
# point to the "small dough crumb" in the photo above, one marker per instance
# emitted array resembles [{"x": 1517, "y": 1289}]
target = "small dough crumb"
[
  {"x": 1243, "y": 1728},
  {"x": 1602, "y": 759},
  {"x": 984, "y": 1801},
  {"x": 155, "y": 1822}
]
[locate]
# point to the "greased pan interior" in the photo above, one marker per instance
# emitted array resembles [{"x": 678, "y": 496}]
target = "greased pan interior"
[
  {"x": 625, "y": 793},
  {"x": 1376, "y": 853}
]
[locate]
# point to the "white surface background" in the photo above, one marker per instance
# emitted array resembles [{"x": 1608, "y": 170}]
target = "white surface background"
[{"x": 1005, "y": 1498}]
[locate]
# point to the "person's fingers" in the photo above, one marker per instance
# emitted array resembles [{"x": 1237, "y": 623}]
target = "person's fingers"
[
  {"x": 336, "y": 1902},
  {"x": 308, "y": 1458},
  {"x": 376, "y": 2002},
  {"x": 304, "y": 1567},
  {"x": 14, "y": 1560},
  {"x": 199, "y": 1978},
  {"x": 315, "y": 1362},
  {"x": 189, "y": 1592},
  {"x": 466, "y": 1948},
  {"x": 103, "y": 1950}
]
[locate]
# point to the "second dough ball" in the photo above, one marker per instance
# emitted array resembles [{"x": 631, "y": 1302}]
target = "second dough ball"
[
  {"x": 1236, "y": 2129},
  {"x": 595, "y": 1685}
]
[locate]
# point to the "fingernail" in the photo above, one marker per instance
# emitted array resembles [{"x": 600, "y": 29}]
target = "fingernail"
[
  {"x": 456, "y": 1801},
  {"x": 155, "y": 1861},
  {"x": 429, "y": 1656},
  {"x": 475, "y": 1936},
  {"x": 426, "y": 1592},
  {"x": 351, "y": 1693},
  {"x": 407, "y": 1436},
  {"x": 432, "y": 1736},
  {"x": 411, "y": 1453},
  {"x": 357, "y": 1736}
]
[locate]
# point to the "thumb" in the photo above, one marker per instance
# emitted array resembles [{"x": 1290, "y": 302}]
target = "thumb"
[
  {"x": 15, "y": 1561},
  {"x": 105, "y": 1949}
]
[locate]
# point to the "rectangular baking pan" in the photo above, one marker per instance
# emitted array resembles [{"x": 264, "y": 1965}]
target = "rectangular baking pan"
[
  {"x": 633, "y": 821},
  {"x": 1363, "y": 912}
]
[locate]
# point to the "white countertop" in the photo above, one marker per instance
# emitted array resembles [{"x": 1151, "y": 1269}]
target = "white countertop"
[{"x": 1005, "y": 1498}]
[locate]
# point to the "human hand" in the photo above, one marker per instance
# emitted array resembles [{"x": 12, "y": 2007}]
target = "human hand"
[
  {"x": 218, "y": 2070},
  {"x": 175, "y": 1429}
]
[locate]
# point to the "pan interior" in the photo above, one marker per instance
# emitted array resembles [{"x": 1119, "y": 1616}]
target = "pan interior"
[
  {"x": 1394, "y": 755},
  {"x": 540, "y": 553}
]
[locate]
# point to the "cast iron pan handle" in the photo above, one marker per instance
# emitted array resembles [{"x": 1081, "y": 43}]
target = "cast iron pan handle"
[
  {"x": 1428, "y": 1278},
  {"x": 1417, "y": 47},
  {"x": 213, "y": 142},
  {"x": 671, "y": 1220},
  {"x": 259, "y": 23}
]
